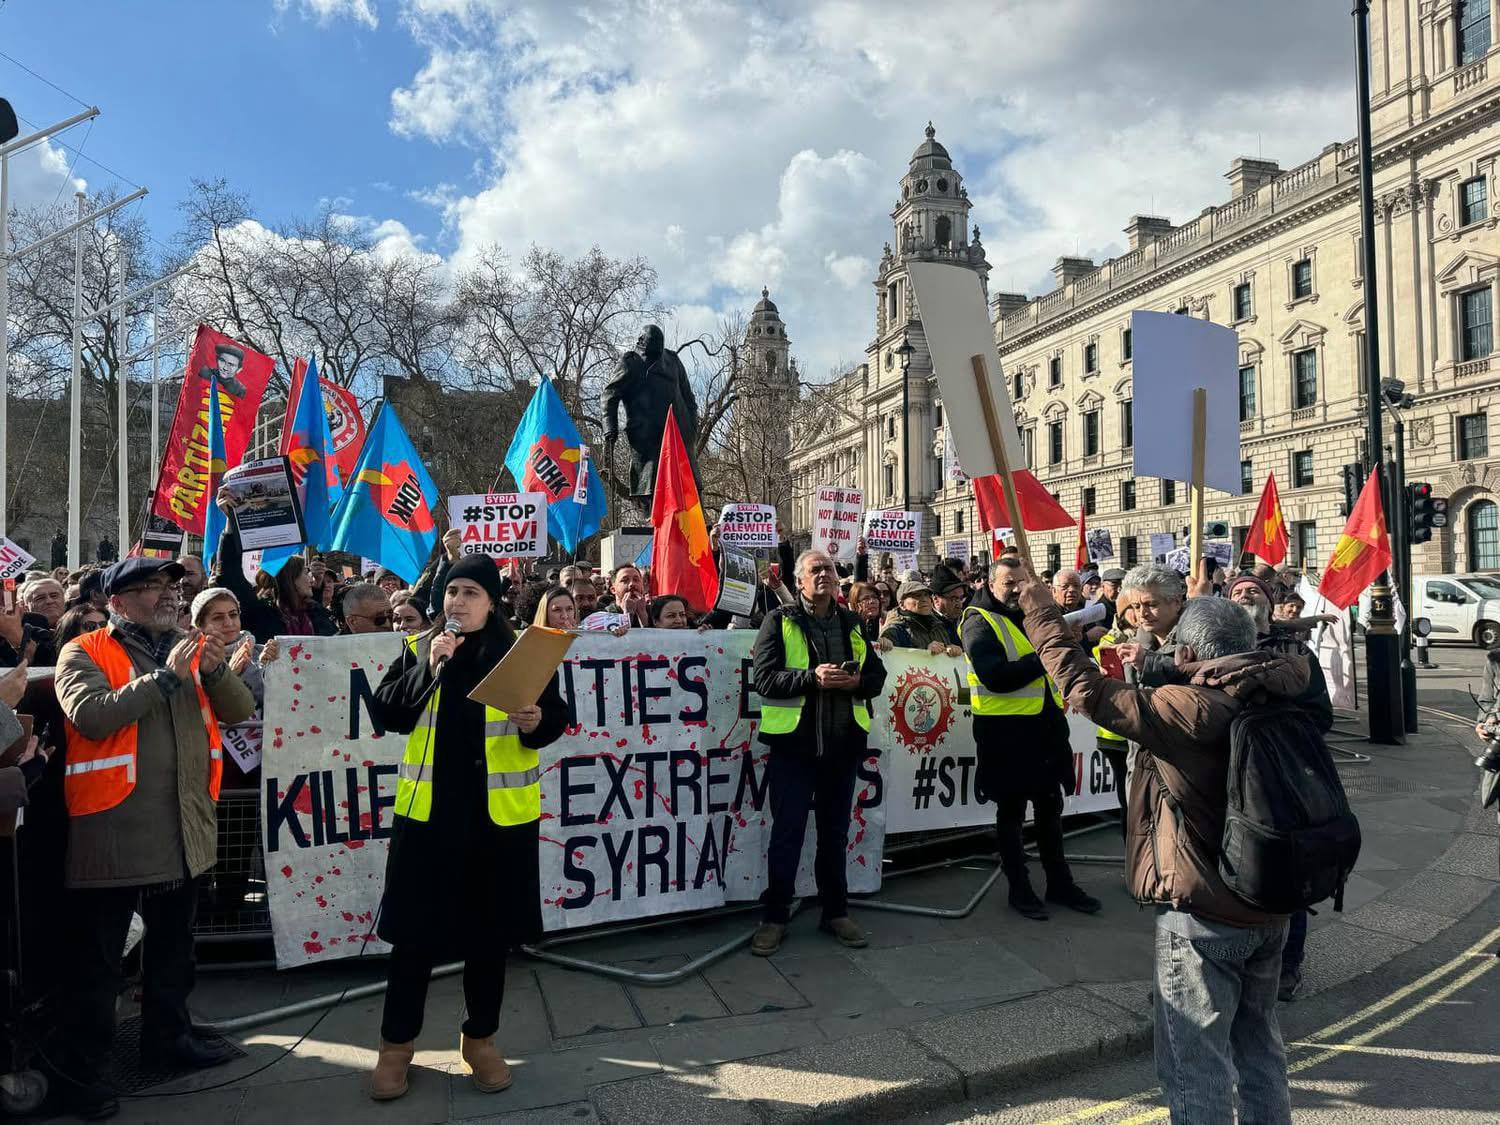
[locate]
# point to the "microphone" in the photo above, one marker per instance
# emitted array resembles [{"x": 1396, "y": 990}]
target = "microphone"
[{"x": 453, "y": 629}]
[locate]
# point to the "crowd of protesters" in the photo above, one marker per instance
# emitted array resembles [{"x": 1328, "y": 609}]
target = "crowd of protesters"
[{"x": 154, "y": 652}]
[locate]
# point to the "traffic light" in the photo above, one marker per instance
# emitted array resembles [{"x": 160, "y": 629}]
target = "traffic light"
[
  {"x": 1353, "y": 478},
  {"x": 1426, "y": 511}
]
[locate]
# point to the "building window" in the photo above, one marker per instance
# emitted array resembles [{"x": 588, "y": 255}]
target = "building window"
[
  {"x": 1473, "y": 30},
  {"x": 1473, "y": 436},
  {"x": 937, "y": 523},
  {"x": 958, "y": 521},
  {"x": 1239, "y": 536},
  {"x": 1019, "y": 383},
  {"x": 890, "y": 291},
  {"x": 1180, "y": 310},
  {"x": 1054, "y": 371},
  {"x": 1054, "y": 557},
  {"x": 1302, "y": 468},
  {"x": 1028, "y": 438},
  {"x": 1127, "y": 423},
  {"x": 1127, "y": 496},
  {"x": 890, "y": 480},
  {"x": 943, "y": 232},
  {"x": 1242, "y": 301},
  {"x": 1088, "y": 501},
  {"x": 1472, "y": 200},
  {"x": 1054, "y": 443},
  {"x": 1247, "y": 478},
  {"x": 1090, "y": 358},
  {"x": 1484, "y": 535},
  {"x": 1128, "y": 551},
  {"x": 1247, "y": 393},
  {"x": 1168, "y": 493},
  {"x": 1305, "y": 542},
  {"x": 1125, "y": 345},
  {"x": 1304, "y": 378},
  {"x": 1475, "y": 323},
  {"x": 890, "y": 426},
  {"x": 1090, "y": 433},
  {"x": 1302, "y": 281},
  {"x": 937, "y": 415}
]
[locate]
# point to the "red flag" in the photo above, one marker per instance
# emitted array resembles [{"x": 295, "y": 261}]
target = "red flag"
[
  {"x": 346, "y": 422},
  {"x": 1268, "y": 538},
  {"x": 1081, "y": 558},
  {"x": 1362, "y": 552},
  {"x": 1039, "y": 511},
  {"x": 682, "y": 562}
]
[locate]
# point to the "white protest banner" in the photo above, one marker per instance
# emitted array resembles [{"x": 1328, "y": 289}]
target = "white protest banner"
[
  {"x": 737, "y": 582},
  {"x": 929, "y": 765},
  {"x": 1100, "y": 543},
  {"x": 13, "y": 560},
  {"x": 503, "y": 525},
  {"x": 893, "y": 530},
  {"x": 1163, "y": 543},
  {"x": 653, "y": 801},
  {"x": 836, "y": 513},
  {"x": 1334, "y": 645},
  {"x": 752, "y": 526},
  {"x": 1172, "y": 355},
  {"x": 243, "y": 741},
  {"x": 956, "y": 549},
  {"x": 249, "y": 564}
]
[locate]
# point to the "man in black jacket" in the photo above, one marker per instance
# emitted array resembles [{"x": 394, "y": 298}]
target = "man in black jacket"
[
  {"x": 1022, "y": 739},
  {"x": 815, "y": 676}
]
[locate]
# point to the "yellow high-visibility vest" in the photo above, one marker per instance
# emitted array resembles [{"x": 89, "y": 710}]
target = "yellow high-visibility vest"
[
  {"x": 512, "y": 772},
  {"x": 781, "y": 716},
  {"x": 1025, "y": 700}
]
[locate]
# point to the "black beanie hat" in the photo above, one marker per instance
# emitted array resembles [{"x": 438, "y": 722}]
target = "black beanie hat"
[{"x": 481, "y": 570}]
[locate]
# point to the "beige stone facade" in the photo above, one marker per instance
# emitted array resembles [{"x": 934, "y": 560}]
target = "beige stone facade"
[{"x": 1280, "y": 262}]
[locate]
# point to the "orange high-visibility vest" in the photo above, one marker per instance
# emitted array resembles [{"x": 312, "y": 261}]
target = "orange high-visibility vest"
[{"x": 100, "y": 774}]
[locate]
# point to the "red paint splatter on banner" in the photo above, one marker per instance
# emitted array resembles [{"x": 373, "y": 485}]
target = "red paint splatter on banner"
[
  {"x": 303, "y": 801},
  {"x": 315, "y": 730},
  {"x": 312, "y": 947},
  {"x": 335, "y": 871},
  {"x": 368, "y": 762},
  {"x": 317, "y": 878},
  {"x": 348, "y": 916},
  {"x": 287, "y": 871},
  {"x": 321, "y": 901}
]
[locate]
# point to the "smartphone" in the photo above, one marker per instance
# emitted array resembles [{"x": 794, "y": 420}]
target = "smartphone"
[
  {"x": 1110, "y": 662},
  {"x": 774, "y": 571},
  {"x": 850, "y": 666}
]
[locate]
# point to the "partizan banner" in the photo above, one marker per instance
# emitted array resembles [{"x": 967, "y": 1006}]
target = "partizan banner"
[
  {"x": 181, "y": 493},
  {"x": 654, "y": 801}
]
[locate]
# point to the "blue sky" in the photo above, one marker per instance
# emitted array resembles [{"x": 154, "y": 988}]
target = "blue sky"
[{"x": 733, "y": 143}]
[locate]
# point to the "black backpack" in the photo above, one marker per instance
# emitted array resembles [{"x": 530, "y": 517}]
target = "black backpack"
[{"x": 1290, "y": 838}]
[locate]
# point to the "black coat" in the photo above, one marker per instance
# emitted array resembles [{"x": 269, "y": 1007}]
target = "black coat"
[
  {"x": 1016, "y": 752},
  {"x": 775, "y": 681},
  {"x": 458, "y": 880},
  {"x": 260, "y": 617}
]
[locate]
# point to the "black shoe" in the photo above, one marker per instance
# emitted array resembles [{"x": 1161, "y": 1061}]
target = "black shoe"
[
  {"x": 188, "y": 1051},
  {"x": 89, "y": 1101},
  {"x": 1074, "y": 896},
  {"x": 1023, "y": 900},
  {"x": 1291, "y": 981}
]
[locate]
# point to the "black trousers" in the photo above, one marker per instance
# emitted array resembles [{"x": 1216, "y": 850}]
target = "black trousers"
[
  {"x": 410, "y": 971},
  {"x": 826, "y": 785},
  {"x": 101, "y": 921},
  {"x": 1046, "y": 800}
]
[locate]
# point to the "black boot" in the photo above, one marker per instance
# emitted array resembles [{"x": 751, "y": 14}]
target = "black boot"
[
  {"x": 1023, "y": 899},
  {"x": 1069, "y": 893}
]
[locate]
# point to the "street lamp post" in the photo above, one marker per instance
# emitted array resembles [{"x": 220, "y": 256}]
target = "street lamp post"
[{"x": 905, "y": 352}]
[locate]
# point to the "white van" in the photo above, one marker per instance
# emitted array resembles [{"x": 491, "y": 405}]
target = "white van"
[{"x": 1460, "y": 606}]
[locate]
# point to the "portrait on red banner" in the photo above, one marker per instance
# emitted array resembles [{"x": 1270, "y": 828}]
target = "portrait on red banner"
[{"x": 181, "y": 493}]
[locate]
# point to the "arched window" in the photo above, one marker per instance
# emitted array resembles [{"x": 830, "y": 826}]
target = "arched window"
[
  {"x": 944, "y": 230},
  {"x": 1483, "y": 520}
]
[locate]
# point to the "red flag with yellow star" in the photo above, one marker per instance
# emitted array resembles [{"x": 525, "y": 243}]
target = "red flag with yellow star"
[
  {"x": 682, "y": 562},
  {"x": 1267, "y": 538},
  {"x": 1362, "y": 552}
]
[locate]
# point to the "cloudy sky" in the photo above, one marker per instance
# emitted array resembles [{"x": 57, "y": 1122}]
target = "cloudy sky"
[{"x": 734, "y": 143}]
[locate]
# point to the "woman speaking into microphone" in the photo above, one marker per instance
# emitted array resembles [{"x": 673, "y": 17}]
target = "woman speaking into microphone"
[{"x": 461, "y": 879}]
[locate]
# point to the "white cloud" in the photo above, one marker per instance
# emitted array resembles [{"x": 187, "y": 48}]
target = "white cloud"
[
  {"x": 39, "y": 176},
  {"x": 740, "y": 144},
  {"x": 326, "y": 11}
]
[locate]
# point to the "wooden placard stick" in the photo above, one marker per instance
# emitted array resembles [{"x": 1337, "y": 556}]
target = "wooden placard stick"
[
  {"x": 1195, "y": 486},
  {"x": 1002, "y": 459}
]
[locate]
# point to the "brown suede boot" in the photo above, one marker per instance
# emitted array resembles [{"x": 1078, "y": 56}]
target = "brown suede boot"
[
  {"x": 388, "y": 1079},
  {"x": 484, "y": 1061}
]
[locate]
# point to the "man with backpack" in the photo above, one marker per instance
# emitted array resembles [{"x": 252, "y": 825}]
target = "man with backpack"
[{"x": 1218, "y": 956}]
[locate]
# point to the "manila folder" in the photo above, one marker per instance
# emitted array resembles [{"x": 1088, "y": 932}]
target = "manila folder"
[{"x": 522, "y": 674}]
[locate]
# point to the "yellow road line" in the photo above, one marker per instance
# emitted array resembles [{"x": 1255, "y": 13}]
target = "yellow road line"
[{"x": 1464, "y": 1058}]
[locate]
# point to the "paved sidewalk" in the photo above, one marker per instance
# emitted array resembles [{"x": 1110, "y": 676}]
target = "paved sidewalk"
[{"x": 934, "y": 1011}]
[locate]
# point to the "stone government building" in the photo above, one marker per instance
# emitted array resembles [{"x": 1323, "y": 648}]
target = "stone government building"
[{"x": 1279, "y": 262}]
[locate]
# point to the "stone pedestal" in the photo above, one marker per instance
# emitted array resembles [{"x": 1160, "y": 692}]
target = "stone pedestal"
[{"x": 623, "y": 545}]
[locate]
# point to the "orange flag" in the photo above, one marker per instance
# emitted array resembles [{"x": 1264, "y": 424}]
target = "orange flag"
[
  {"x": 682, "y": 562},
  {"x": 1363, "y": 550},
  {"x": 1268, "y": 538},
  {"x": 1082, "y": 557}
]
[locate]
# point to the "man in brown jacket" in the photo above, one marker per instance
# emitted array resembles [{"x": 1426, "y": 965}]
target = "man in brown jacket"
[
  {"x": 141, "y": 699},
  {"x": 1217, "y": 959}
]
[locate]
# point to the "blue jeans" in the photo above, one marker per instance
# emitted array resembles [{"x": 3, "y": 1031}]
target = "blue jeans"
[{"x": 1216, "y": 1021}]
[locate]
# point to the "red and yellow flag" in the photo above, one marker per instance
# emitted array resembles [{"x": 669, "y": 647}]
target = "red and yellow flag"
[
  {"x": 1267, "y": 538},
  {"x": 682, "y": 562},
  {"x": 1362, "y": 552}
]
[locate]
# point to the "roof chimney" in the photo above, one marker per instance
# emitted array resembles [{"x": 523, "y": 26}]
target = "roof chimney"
[
  {"x": 1145, "y": 229},
  {"x": 1247, "y": 175},
  {"x": 1003, "y": 304},
  {"x": 1069, "y": 270}
]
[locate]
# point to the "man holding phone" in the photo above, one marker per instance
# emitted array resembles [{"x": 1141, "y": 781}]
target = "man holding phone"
[
  {"x": 815, "y": 676},
  {"x": 143, "y": 702}
]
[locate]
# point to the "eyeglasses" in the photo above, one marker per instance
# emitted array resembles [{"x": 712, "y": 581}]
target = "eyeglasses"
[
  {"x": 380, "y": 620},
  {"x": 90, "y": 626}
]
